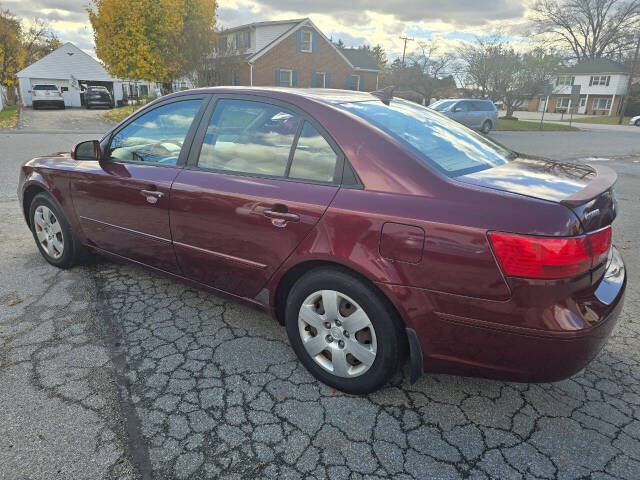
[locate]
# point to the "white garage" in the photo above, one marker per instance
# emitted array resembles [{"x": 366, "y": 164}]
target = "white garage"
[{"x": 72, "y": 70}]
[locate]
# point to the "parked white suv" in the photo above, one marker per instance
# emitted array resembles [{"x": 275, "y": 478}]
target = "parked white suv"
[{"x": 46, "y": 94}]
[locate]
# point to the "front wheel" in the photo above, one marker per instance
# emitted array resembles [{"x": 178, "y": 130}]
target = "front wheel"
[
  {"x": 486, "y": 127},
  {"x": 52, "y": 233},
  {"x": 342, "y": 331},
  {"x": 638, "y": 123}
]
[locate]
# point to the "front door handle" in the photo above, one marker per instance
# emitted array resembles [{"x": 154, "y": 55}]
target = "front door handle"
[
  {"x": 286, "y": 216},
  {"x": 152, "y": 193}
]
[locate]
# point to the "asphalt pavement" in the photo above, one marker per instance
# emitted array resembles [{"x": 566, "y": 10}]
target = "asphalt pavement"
[{"x": 110, "y": 371}]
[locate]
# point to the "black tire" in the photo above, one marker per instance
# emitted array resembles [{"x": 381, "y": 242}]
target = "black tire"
[
  {"x": 486, "y": 127},
  {"x": 73, "y": 252},
  {"x": 391, "y": 338},
  {"x": 637, "y": 123}
]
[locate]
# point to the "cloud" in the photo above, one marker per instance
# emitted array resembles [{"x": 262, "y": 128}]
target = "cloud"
[{"x": 457, "y": 12}]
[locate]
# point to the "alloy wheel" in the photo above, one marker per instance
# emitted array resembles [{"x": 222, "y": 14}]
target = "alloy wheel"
[
  {"x": 48, "y": 231},
  {"x": 337, "y": 333}
]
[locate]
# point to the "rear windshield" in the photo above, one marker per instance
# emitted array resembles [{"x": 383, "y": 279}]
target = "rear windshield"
[
  {"x": 45, "y": 87},
  {"x": 442, "y": 105},
  {"x": 442, "y": 143}
]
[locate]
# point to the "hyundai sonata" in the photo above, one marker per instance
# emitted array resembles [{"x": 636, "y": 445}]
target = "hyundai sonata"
[{"x": 372, "y": 228}]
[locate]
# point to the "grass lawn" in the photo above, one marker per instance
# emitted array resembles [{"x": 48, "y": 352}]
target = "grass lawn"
[
  {"x": 9, "y": 116},
  {"x": 116, "y": 115},
  {"x": 522, "y": 125},
  {"x": 604, "y": 119}
]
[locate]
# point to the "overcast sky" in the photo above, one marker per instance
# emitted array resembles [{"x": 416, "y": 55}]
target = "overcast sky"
[{"x": 354, "y": 21}]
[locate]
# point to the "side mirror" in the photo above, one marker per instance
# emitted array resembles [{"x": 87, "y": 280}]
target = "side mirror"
[{"x": 87, "y": 151}]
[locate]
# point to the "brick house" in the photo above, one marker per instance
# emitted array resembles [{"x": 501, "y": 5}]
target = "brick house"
[
  {"x": 603, "y": 85},
  {"x": 295, "y": 53}
]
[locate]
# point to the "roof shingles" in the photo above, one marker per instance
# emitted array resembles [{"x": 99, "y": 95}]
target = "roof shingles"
[{"x": 597, "y": 66}]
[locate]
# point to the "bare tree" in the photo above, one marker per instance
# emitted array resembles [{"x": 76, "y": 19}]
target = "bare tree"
[
  {"x": 588, "y": 28},
  {"x": 427, "y": 67},
  {"x": 221, "y": 65}
]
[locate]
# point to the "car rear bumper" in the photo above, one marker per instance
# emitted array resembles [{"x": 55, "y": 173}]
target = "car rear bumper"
[
  {"x": 464, "y": 345},
  {"x": 48, "y": 101}
]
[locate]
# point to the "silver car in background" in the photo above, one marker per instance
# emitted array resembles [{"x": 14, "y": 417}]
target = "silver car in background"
[
  {"x": 46, "y": 94},
  {"x": 475, "y": 113}
]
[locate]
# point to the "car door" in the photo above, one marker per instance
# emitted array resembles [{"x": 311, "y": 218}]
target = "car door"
[
  {"x": 122, "y": 201},
  {"x": 460, "y": 113},
  {"x": 260, "y": 178}
]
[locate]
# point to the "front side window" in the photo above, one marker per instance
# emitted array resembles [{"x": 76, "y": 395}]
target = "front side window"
[
  {"x": 442, "y": 105},
  {"x": 313, "y": 159},
  {"x": 437, "y": 140},
  {"x": 306, "y": 44},
  {"x": 156, "y": 136},
  {"x": 286, "y": 78},
  {"x": 249, "y": 137}
]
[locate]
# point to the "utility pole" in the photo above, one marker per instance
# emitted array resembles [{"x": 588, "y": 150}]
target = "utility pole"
[
  {"x": 404, "y": 50},
  {"x": 629, "y": 82}
]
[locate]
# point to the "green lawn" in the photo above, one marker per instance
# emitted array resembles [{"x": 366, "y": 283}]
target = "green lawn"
[
  {"x": 522, "y": 125},
  {"x": 604, "y": 119},
  {"x": 116, "y": 115},
  {"x": 9, "y": 116}
]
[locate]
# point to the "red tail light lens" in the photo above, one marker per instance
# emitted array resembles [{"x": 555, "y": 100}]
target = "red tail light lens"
[
  {"x": 541, "y": 257},
  {"x": 600, "y": 245}
]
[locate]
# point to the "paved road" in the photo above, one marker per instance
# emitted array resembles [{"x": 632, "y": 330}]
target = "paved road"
[{"x": 109, "y": 371}]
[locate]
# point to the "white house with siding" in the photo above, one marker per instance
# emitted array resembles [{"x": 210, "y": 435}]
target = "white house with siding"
[{"x": 72, "y": 70}]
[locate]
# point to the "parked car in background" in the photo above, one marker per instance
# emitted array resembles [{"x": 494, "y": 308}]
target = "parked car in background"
[
  {"x": 46, "y": 94},
  {"x": 474, "y": 113},
  {"x": 98, "y": 97},
  {"x": 369, "y": 226},
  {"x": 635, "y": 121}
]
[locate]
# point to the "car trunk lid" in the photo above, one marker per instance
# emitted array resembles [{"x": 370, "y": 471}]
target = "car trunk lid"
[{"x": 587, "y": 190}]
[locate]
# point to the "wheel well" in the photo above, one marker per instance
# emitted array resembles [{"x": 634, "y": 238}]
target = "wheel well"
[
  {"x": 27, "y": 198},
  {"x": 290, "y": 278}
]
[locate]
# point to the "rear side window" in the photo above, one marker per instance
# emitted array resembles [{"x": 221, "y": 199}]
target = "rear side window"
[
  {"x": 313, "y": 158},
  {"x": 45, "y": 87},
  {"x": 482, "y": 106},
  {"x": 249, "y": 137},
  {"x": 437, "y": 140}
]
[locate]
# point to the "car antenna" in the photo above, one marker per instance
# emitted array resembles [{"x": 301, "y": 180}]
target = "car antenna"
[{"x": 386, "y": 94}]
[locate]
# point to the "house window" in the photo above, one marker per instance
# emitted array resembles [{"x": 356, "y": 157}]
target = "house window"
[
  {"x": 321, "y": 80},
  {"x": 602, "y": 104},
  {"x": 286, "y": 78},
  {"x": 243, "y": 40},
  {"x": 599, "y": 80},
  {"x": 355, "y": 82},
  {"x": 563, "y": 102},
  {"x": 565, "y": 80},
  {"x": 306, "y": 41}
]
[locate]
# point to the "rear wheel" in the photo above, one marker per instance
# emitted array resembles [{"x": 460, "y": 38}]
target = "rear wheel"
[
  {"x": 342, "y": 331},
  {"x": 486, "y": 126},
  {"x": 52, "y": 233}
]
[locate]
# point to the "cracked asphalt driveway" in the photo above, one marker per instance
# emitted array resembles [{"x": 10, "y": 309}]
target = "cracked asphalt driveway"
[{"x": 110, "y": 371}]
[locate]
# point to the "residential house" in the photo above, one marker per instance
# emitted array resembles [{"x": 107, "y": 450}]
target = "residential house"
[
  {"x": 73, "y": 70},
  {"x": 295, "y": 53},
  {"x": 603, "y": 85}
]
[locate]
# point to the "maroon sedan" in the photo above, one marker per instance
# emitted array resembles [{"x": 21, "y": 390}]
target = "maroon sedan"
[{"x": 374, "y": 229}]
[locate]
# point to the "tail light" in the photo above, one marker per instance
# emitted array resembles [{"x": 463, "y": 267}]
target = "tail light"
[{"x": 550, "y": 257}]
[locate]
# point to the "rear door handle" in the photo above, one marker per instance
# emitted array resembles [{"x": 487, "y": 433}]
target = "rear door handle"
[
  {"x": 152, "y": 193},
  {"x": 286, "y": 216}
]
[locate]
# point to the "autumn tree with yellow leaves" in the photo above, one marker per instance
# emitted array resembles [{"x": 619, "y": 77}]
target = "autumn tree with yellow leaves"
[{"x": 155, "y": 40}]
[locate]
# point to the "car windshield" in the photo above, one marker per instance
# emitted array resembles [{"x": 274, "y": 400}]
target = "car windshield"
[
  {"x": 45, "y": 87},
  {"x": 442, "y": 105},
  {"x": 439, "y": 141}
]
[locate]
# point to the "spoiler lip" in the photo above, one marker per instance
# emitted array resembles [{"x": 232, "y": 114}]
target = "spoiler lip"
[{"x": 605, "y": 178}]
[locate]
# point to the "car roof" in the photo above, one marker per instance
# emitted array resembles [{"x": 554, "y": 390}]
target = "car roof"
[{"x": 324, "y": 95}]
